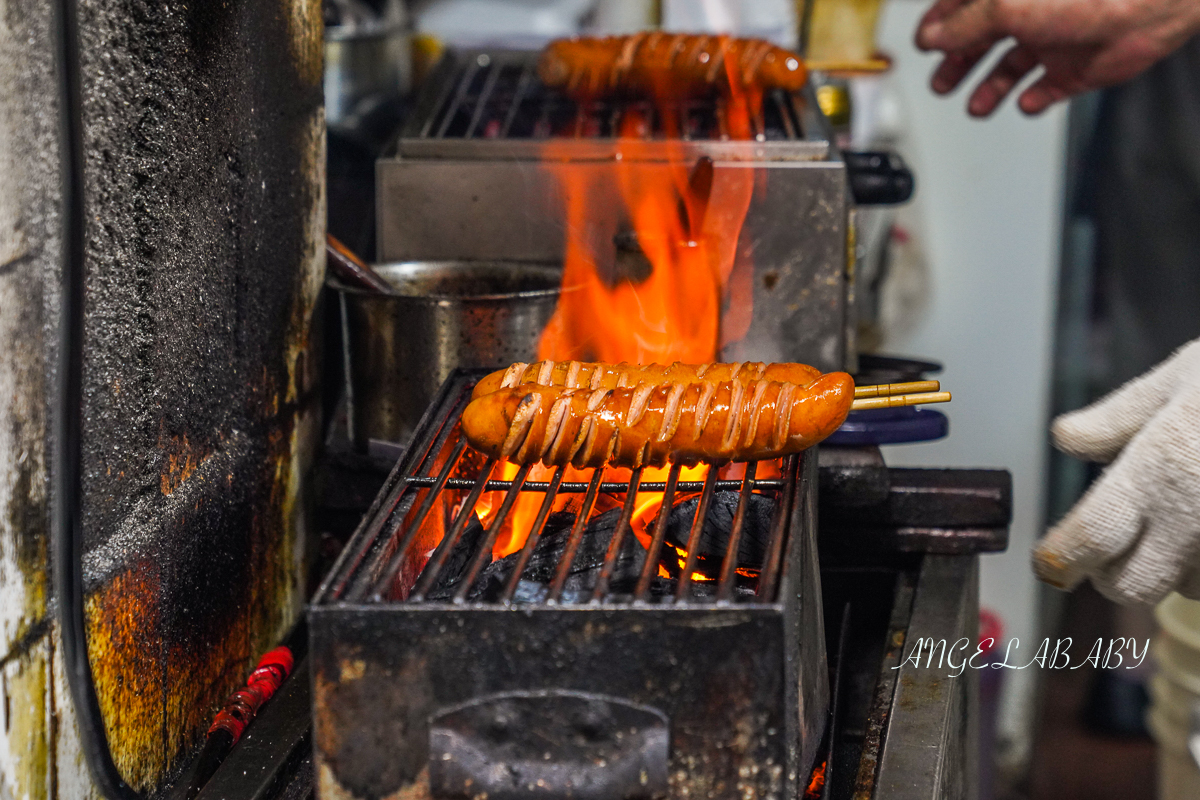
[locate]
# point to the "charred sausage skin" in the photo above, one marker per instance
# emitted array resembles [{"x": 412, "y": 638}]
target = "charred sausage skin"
[
  {"x": 674, "y": 65},
  {"x": 652, "y": 424},
  {"x": 591, "y": 375}
]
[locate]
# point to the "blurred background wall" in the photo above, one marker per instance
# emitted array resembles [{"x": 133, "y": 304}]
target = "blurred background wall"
[{"x": 986, "y": 225}]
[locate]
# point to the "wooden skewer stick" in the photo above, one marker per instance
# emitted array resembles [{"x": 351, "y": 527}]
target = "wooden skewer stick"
[
  {"x": 895, "y": 401},
  {"x": 848, "y": 65},
  {"x": 889, "y": 389}
]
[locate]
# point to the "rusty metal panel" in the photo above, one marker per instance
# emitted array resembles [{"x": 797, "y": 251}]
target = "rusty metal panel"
[
  {"x": 380, "y": 676},
  {"x": 205, "y": 205}
]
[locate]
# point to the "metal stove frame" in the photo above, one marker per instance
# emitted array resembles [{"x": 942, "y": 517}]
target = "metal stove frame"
[{"x": 739, "y": 688}]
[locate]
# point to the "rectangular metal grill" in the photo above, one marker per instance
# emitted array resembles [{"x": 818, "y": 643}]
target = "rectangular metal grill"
[
  {"x": 728, "y": 675},
  {"x": 425, "y": 482},
  {"x": 497, "y": 95}
]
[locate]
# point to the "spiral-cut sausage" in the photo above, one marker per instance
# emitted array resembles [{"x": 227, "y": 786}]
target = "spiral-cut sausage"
[
  {"x": 651, "y": 424},
  {"x": 590, "y": 375},
  {"x": 671, "y": 65}
]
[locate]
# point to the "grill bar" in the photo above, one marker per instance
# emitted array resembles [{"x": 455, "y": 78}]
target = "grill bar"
[
  {"x": 464, "y": 86},
  {"x": 483, "y": 556},
  {"x": 523, "y": 85},
  {"x": 401, "y": 497},
  {"x": 729, "y": 566},
  {"x": 465, "y": 513},
  {"x": 650, "y": 568},
  {"x": 485, "y": 95},
  {"x": 773, "y": 563},
  {"x": 785, "y": 115},
  {"x": 535, "y": 535},
  {"x": 685, "y": 580},
  {"x": 618, "y": 538},
  {"x": 608, "y": 487},
  {"x": 397, "y": 559},
  {"x": 568, "y": 558}
]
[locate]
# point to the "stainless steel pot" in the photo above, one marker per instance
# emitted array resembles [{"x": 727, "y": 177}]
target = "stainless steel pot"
[
  {"x": 366, "y": 59},
  {"x": 445, "y": 314}
]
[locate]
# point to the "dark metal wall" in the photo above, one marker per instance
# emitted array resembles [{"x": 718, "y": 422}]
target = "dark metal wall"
[{"x": 204, "y": 143}]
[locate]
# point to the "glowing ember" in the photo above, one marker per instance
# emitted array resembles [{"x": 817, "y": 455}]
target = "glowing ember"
[{"x": 816, "y": 783}]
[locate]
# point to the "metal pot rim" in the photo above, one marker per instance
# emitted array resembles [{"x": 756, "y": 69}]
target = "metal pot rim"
[{"x": 443, "y": 298}]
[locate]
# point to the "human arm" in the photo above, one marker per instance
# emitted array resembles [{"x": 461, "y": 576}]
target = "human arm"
[{"x": 1081, "y": 44}]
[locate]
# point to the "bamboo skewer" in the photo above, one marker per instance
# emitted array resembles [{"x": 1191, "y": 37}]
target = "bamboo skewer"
[
  {"x": 898, "y": 400},
  {"x": 860, "y": 66},
  {"x": 889, "y": 389}
]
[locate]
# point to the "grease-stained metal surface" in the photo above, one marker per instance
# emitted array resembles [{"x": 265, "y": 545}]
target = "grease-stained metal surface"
[
  {"x": 204, "y": 177},
  {"x": 204, "y": 146}
]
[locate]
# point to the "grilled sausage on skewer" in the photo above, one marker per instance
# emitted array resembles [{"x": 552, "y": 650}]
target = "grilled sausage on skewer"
[
  {"x": 582, "y": 374},
  {"x": 651, "y": 424},
  {"x": 677, "y": 66}
]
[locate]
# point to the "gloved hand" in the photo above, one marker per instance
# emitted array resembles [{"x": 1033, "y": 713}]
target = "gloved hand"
[{"x": 1136, "y": 533}]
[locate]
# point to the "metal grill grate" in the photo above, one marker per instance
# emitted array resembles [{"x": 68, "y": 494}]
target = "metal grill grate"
[
  {"x": 497, "y": 95},
  {"x": 396, "y": 568}
]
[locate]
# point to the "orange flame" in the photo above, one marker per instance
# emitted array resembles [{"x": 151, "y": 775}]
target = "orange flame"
[
  {"x": 816, "y": 782},
  {"x": 688, "y": 234},
  {"x": 612, "y": 307}
]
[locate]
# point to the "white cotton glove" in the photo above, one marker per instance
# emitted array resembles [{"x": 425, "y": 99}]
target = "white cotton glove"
[{"x": 1136, "y": 533}]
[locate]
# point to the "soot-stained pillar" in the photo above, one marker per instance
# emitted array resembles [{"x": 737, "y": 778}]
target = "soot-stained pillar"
[{"x": 204, "y": 139}]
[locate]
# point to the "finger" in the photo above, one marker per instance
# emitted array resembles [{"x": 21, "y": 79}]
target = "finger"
[
  {"x": 936, "y": 13},
  {"x": 1157, "y": 564},
  {"x": 1101, "y": 528},
  {"x": 1041, "y": 95},
  {"x": 956, "y": 66},
  {"x": 1008, "y": 72},
  {"x": 1100, "y": 431},
  {"x": 964, "y": 28}
]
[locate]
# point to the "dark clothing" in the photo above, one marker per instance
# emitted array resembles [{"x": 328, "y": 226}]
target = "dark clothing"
[{"x": 1146, "y": 202}]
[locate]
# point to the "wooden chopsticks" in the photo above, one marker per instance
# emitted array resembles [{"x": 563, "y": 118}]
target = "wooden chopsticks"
[{"x": 895, "y": 395}]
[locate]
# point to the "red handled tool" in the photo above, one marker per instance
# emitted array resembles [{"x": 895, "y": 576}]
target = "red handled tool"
[{"x": 236, "y": 714}]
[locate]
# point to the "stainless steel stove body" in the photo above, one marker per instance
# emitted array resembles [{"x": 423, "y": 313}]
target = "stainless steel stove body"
[{"x": 469, "y": 178}]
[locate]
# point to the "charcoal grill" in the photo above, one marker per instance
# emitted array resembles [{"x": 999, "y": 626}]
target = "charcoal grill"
[
  {"x": 607, "y": 683},
  {"x": 496, "y": 97},
  {"x": 467, "y": 178}
]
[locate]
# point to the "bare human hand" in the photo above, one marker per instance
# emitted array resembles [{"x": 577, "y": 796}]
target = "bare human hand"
[{"x": 1081, "y": 44}]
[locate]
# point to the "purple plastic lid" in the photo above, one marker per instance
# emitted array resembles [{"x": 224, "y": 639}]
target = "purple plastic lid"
[{"x": 890, "y": 426}]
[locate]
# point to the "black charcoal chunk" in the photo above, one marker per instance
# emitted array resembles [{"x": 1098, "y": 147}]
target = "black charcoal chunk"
[
  {"x": 543, "y": 562},
  {"x": 714, "y": 536},
  {"x": 457, "y": 562}
]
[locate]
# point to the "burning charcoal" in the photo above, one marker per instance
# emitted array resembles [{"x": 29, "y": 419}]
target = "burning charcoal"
[
  {"x": 546, "y": 556},
  {"x": 714, "y": 537},
  {"x": 457, "y": 562}
]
